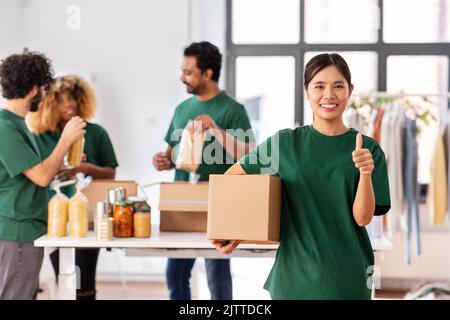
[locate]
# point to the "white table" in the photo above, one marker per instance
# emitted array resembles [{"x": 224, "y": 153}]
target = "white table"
[{"x": 160, "y": 244}]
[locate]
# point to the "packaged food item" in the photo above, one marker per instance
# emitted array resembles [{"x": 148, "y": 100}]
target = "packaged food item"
[
  {"x": 123, "y": 219},
  {"x": 142, "y": 217},
  {"x": 57, "y": 214},
  {"x": 103, "y": 222},
  {"x": 191, "y": 147},
  {"x": 78, "y": 209},
  {"x": 75, "y": 154}
]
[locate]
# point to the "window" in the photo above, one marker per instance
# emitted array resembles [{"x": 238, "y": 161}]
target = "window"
[
  {"x": 421, "y": 75},
  {"x": 341, "y": 21},
  {"x": 390, "y": 45},
  {"x": 416, "y": 21},
  {"x": 265, "y": 84},
  {"x": 265, "y": 21}
]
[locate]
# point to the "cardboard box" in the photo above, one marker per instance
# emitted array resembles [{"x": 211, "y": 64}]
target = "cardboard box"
[
  {"x": 244, "y": 207},
  {"x": 183, "y": 206},
  {"x": 97, "y": 191}
]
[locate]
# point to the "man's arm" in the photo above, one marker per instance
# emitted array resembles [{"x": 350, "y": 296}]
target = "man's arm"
[
  {"x": 163, "y": 160},
  {"x": 42, "y": 174},
  {"x": 232, "y": 145}
]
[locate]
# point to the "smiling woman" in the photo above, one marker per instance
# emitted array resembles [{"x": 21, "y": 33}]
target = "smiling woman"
[{"x": 334, "y": 181}]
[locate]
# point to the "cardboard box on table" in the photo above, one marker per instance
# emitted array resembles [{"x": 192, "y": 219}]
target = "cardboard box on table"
[
  {"x": 183, "y": 206},
  {"x": 244, "y": 207}
]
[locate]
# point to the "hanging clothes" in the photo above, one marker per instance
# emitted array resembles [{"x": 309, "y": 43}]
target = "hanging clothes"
[
  {"x": 374, "y": 129},
  {"x": 391, "y": 141},
  {"x": 447, "y": 159},
  {"x": 353, "y": 119},
  {"x": 376, "y": 226},
  {"x": 437, "y": 190},
  {"x": 410, "y": 168}
]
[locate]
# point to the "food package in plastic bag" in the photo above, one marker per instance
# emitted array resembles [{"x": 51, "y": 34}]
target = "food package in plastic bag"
[
  {"x": 78, "y": 209},
  {"x": 191, "y": 147},
  {"x": 57, "y": 214}
]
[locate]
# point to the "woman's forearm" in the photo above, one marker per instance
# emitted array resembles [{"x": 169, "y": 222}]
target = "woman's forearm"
[
  {"x": 364, "y": 204},
  {"x": 97, "y": 172}
]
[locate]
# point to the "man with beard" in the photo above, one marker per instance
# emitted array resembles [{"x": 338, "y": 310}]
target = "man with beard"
[
  {"x": 229, "y": 138},
  {"x": 24, "y": 174}
]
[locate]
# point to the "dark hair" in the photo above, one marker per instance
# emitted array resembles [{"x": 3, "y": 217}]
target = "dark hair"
[
  {"x": 208, "y": 57},
  {"x": 19, "y": 73},
  {"x": 321, "y": 61}
]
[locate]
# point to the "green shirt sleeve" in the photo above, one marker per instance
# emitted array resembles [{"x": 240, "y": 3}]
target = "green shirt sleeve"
[
  {"x": 264, "y": 158},
  {"x": 107, "y": 156},
  {"x": 239, "y": 123},
  {"x": 16, "y": 151},
  {"x": 380, "y": 182}
]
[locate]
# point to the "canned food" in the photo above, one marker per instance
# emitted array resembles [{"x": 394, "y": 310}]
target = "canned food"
[{"x": 123, "y": 219}]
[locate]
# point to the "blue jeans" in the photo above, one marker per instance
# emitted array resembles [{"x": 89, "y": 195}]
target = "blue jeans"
[{"x": 178, "y": 275}]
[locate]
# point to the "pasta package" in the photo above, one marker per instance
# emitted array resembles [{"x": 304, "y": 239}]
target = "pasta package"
[
  {"x": 78, "y": 216},
  {"x": 79, "y": 210},
  {"x": 57, "y": 214},
  {"x": 75, "y": 154},
  {"x": 191, "y": 147}
]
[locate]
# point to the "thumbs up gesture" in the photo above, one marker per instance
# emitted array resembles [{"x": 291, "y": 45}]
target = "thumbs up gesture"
[{"x": 362, "y": 157}]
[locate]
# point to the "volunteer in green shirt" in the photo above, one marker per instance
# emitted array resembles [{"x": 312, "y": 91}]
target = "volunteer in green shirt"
[
  {"x": 228, "y": 137},
  {"x": 72, "y": 96},
  {"x": 334, "y": 181},
  {"x": 24, "y": 174}
]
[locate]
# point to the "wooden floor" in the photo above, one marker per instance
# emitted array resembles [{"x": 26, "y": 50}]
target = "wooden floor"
[{"x": 155, "y": 291}]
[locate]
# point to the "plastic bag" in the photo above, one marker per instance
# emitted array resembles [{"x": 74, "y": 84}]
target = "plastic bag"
[
  {"x": 78, "y": 209},
  {"x": 57, "y": 213},
  {"x": 191, "y": 147}
]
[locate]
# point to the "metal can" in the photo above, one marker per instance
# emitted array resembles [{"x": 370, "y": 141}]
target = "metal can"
[
  {"x": 123, "y": 219},
  {"x": 116, "y": 194}
]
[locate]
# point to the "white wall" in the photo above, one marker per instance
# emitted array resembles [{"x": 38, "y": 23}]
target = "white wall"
[
  {"x": 11, "y": 28},
  {"x": 131, "y": 51}
]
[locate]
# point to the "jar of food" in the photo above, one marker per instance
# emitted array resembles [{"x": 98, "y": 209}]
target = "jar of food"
[
  {"x": 123, "y": 219},
  {"x": 142, "y": 217}
]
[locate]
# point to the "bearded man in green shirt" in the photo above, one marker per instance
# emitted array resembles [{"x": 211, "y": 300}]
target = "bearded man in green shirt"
[{"x": 24, "y": 174}]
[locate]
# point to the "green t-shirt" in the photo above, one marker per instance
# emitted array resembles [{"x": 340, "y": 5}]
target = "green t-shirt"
[
  {"x": 97, "y": 147},
  {"x": 227, "y": 114},
  {"x": 23, "y": 204},
  {"x": 323, "y": 253}
]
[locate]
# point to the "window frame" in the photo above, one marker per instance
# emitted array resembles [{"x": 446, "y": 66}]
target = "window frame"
[{"x": 382, "y": 49}]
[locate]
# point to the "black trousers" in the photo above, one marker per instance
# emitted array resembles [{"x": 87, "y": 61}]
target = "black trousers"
[{"x": 86, "y": 260}]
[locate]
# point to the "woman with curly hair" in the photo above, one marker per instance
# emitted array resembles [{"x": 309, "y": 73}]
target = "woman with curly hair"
[
  {"x": 68, "y": 97},
  {"x": 25, "y": 173}
]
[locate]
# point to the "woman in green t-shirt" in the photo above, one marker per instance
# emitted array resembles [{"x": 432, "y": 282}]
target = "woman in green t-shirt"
[
  {"x": 334, "y": 182},
  {"x": 70, "y": 96}
]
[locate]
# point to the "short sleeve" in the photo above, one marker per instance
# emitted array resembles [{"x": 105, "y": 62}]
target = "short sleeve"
[
  {"x": 264, "y": 158},
  {"x": 106, "y": 151},
  {"x": 239, "y": 122},
  {"x": 16, "y": 153},
  {"x": 169, "y": 138},
  {"x": 380, "y": 183}
]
